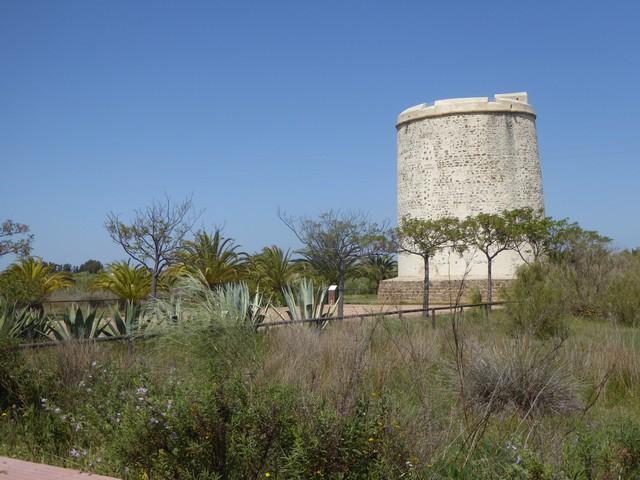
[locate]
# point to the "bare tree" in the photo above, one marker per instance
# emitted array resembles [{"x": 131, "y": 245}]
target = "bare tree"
[
  {"x": 155, "y": 235},
  {"x": 425, "y": 238},
  {"x": 335, "y": 241},
  {"x": 15, "y": 238}
]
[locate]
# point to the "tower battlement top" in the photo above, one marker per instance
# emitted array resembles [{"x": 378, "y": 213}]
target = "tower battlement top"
[{"x": 502, "y": 103}]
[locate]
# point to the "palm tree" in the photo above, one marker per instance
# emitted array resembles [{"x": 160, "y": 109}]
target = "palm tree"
[
  {"x": 30, "y": 281},
  {"x": 125, "y": 281},
  {"x": 273, "y": 269},
  {"x": 379, "y": 267},
  {"x": 213, "y": 258}
]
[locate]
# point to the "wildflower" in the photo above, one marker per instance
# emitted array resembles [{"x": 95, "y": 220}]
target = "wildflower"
[
  {"x": 371, "y": 439},
  {"x": 154, "y": 421},
  {"x": 74, "y": 453},
  {"x": 93, "y": 364},
  {"x": 57, "y": 410},
  {"x": 141, "y": 391},
  {"x": 267, "y": 474},
  {"x": 4, "y": 414}
]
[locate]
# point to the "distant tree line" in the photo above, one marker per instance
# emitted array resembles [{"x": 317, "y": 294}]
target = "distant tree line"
[{"x": 336, "y": 248}]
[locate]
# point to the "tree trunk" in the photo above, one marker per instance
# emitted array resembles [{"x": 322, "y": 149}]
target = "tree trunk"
[
  {"x": 489, "y": 283},
  {"x": 341, "y": 294},
  {"x": 154, "y": 284},
  {"x": 425, "y": 289}
]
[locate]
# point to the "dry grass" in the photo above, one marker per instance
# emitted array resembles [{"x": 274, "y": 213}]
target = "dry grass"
[{"x": 511, "y": 386}]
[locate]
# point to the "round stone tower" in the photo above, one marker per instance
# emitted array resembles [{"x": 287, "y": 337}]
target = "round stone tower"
[{"x": 460, "y": 157}]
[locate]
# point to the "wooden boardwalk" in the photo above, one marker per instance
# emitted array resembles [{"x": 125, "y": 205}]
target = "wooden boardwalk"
[{"x": 12, "y": 469}]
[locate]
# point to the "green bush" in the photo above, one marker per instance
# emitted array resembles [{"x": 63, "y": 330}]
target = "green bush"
[
  {"x": 234, "y": 432},
  {"x": 538, "y": 301},
  {"x": 604, "y": 451},
  {"x": 622, "y": 298}
]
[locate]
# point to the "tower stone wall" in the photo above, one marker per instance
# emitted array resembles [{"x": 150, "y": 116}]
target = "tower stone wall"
[{"x": 461, "y": 157}]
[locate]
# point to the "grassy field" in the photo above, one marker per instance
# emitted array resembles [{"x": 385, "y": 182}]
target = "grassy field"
[
  {"x": 362, "y": 299},
  {"x": 371, "y": 399}
]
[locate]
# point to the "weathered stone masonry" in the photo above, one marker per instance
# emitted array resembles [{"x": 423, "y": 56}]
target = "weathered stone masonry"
[{"x": 460, "y": 157}]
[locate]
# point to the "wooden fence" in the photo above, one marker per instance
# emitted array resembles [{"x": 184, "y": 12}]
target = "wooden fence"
[{"x": 431, "y": 313}]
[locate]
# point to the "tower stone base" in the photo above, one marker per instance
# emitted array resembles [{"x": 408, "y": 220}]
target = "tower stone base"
[{"x": 408, "y": 290}]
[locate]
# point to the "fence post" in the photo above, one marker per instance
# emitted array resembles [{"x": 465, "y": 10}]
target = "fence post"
[
  {"x": 433, "y": 318},
  {"x": 399, "y": 314}
]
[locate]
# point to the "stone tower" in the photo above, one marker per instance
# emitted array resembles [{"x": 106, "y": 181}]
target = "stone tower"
[{"x": 460, "y": 157}]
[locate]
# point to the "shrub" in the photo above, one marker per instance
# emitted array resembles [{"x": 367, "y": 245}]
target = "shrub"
[
  {"x": 622, "y": 298},
  {"x": 604, "y": 451},
  {"x": 522, "y": 376},
  {"x": 538, "y": 301},
  {"x": 20, "y": 384}
]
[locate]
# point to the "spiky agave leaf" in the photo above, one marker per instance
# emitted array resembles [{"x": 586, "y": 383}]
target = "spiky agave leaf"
[
  {"x": 78, "y": 324},
  {"x": 305, "y": 302},
  {"x": 128, "y": 324},
  {"x": 22, "y": 323}
]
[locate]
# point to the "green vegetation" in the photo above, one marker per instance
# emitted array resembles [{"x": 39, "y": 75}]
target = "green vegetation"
[
  {"x": 547, "y": 387},
  {"x": 29, "y": 281},
  {"x": 212, "y": 258},
  {"x": 376, "y": 399},
  {"x": 125, "y": 281}
]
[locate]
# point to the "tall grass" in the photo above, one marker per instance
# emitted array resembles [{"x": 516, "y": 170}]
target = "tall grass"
[{"x": 374, "y": 398}]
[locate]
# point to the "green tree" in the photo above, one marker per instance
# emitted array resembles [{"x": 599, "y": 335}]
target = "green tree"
[
  {"x": 379, "y": 267},
  {"x": 29, "y": 281},
  {"x": 425, "y": 238},
  {"x": 274, "y": 269},
  {"x": 131, "y": 283},
  {"x": 335, "y": 242},
  {"x": 213, "y": 258},
  {"x": 491, "y": 234},
  {"x": 91, "y": 266}
]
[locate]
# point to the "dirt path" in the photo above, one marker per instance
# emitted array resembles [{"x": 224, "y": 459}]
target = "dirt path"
[{"x": 13, "y": 469}]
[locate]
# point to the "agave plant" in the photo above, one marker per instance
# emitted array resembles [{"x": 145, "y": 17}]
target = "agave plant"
[
  {"x": 79, "y": 324},
  {"x": 30, "y": 280},
  {"x": 127, "y": 324},
  {"x": 236, "y": 302},
  {"x": 305, "y": 302},
  {"x": 125, "y": 281},
  {"x": 196, "y": 307},
  {"x": 22, "y": 323}
]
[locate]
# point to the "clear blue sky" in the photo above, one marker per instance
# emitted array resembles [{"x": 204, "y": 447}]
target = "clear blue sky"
[{"x": 251, "y": 106}]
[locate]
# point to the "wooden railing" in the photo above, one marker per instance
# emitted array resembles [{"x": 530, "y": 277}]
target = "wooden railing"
[{"x": 431, "y": 313}]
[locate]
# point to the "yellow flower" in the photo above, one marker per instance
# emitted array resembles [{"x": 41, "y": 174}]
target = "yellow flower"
[
  {"x": 371, "y": 439},
  {"x": 267, "y": 474},
  {"x": 4, "y": 414}
]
